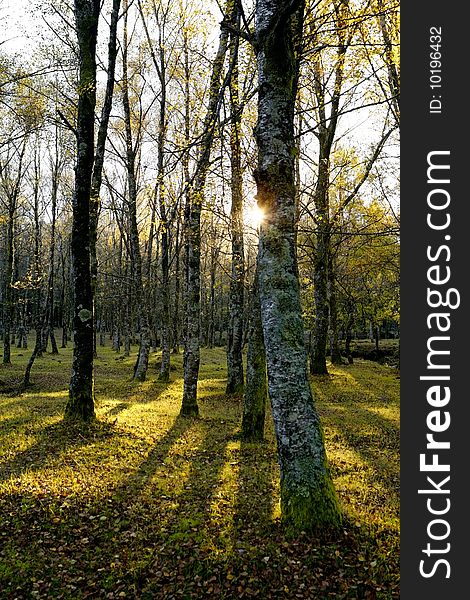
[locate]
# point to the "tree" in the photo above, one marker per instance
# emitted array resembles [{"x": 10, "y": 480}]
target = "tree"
[
  {"x": 141, "y": 365},
  {"x": 80, "y": 403},
  {"x": 98, "y": 164},
  {"x": 308, "y": 499},
  {"x": 235, "y": 332},
  {"x": 193, "y": 232},
  {"x": 256, "y": 389},
  {"x": 10, "y": 191}
]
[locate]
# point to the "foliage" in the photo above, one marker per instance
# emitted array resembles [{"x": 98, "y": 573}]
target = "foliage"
[{"x": 145, "y": 504}]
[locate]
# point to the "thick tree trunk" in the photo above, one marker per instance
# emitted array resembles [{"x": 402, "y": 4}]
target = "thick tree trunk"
[
  {"x": 235, "y": 328},
  {"x": 256, "y": 389},
  {"x": 81, "y": 402},
  {"x": 308, "y": 499}
]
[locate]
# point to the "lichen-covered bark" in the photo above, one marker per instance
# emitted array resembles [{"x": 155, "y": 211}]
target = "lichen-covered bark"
[
  {"x": 308, "y": 499},
  {"x": 256, "y": 389},
  {"x": 81, "y": 402},
  {"x": 235, "y": 329}
]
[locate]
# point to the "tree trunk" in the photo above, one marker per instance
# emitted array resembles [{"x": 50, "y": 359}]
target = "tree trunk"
[
  {"x": 320, "y": 332},
  {"x": 81, "y": 402},
  {"x": 140, "y": 369},
  {"x": 49, "y": 329},
  {"x": 164, "y": 374},
  {"x": 176, "y": 305},
  {"x": 334, "y": 337},
  {"x": 12, "y": 197},
  {"x": 256, "y": 389},
  {"x": 235, "y": 328},
  {"x": 97, "y": 176},
  {"x": 308, "y": 499},
  {"x": 347, "y": 346},
  {"x": 8, "y": 297},
  {"x": 189, "y": 405}
]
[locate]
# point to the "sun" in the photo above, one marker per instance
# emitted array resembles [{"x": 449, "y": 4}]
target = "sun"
[{"x": 254, "y": 216}]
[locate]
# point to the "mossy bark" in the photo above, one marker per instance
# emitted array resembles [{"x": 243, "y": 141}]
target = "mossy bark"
[
  {"x": 80, "y": 404},
  {"x": 308, "y": 500},
  {"x": 256, "y": 389}
]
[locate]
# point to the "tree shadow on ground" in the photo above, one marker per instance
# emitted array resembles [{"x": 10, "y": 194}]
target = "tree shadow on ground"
[
  {"x": 52, "y": 441},
  {"x": 255, "y": 498}
]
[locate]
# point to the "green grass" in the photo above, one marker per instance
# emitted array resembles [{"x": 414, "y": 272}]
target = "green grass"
[{"x": 145, "y": 504}]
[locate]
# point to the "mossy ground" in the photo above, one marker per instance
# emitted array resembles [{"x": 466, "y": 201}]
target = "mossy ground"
[{"x": 146, "y": 504}]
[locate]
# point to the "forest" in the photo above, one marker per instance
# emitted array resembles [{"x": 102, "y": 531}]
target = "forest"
[{"x": 199, "y": 299}]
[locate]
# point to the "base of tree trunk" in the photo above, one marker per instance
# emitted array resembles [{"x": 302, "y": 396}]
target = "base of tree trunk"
[
  {"x": 80, "y": 407},
  {"x": 234, "y": 389},
  {"x": 336, "y": 359},
  {"x": 189, "y": 410},
  {"x": 253, "y": 428},
  {"x": 316, "y": 510},
  {"x": 318, "y": 368},
  {"x": 164, "y": 376}
]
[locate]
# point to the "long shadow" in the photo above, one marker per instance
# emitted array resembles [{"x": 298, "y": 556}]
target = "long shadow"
[
  {"x": 134, "y": 483},
  {"x": 131, "y": 392},
  {"x": 255, "y": 499},
  {"x": 51, "y": 442},
  {"x": 371, "y": 437},
  {"x": 116, "y": 410},
  {"x": 191, "y": 529}
]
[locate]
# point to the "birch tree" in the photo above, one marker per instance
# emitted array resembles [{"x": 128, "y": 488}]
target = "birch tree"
[{"x": 308, "y": 499}]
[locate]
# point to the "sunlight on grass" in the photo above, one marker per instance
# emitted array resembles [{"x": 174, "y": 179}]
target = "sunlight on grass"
[{"x": 143, "y": 486}]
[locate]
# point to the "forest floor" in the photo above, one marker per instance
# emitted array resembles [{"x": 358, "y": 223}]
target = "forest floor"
[{"x": 145, "y": 504}]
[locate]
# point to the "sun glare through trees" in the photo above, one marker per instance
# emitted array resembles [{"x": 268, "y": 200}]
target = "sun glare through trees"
[{"x": 199, "y": 299}]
